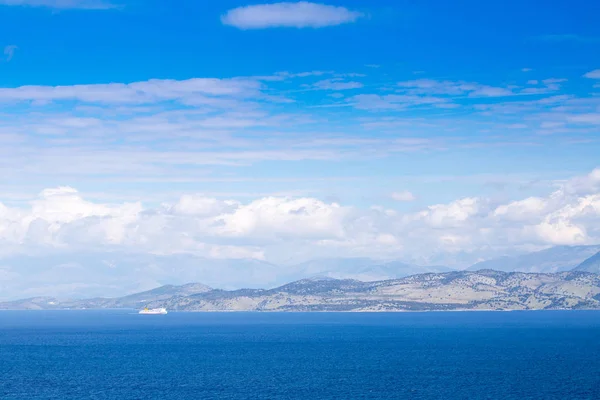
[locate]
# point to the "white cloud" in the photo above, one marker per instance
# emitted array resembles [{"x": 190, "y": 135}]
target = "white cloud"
[
  {"x": 449, "y": 215},
  {"x": 191, "y": 91},
  {"x": 446, "y": 94},
  {"x": 9, "y": 52},
  {"x": 295, "y": 15},
  {"x": 271, "y": 226},
  {"x": 430, "y": 86},
  {"x": 62, "y": 4},
  {"x": 394, "y": 101},
  {"x": 404, "y": 196},
  {"x": 591, "y": 118},
  {"x": 551, "y": 81},
  {"x": 280, "y": 218},
  {"x": 212, "y": 131},
  {"x": 336, "y": 84},
  {"x": 595, "y": 74},
  {"x": 307, "y": 74},
  {"x": 521, "y": 210},
  {"x": 583, "y": 185},
  {"x": 458, "y": 89},
  {"x": 201, "y": 206}
]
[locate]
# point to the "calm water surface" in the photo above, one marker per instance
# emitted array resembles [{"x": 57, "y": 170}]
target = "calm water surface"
[{"x": 120, "y": 355}]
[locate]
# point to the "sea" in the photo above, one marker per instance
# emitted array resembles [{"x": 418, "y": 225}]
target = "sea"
[{"x": 117, "y": 354}]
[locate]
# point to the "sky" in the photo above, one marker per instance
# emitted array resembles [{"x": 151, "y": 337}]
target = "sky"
[{"x": 427, "y": 131}]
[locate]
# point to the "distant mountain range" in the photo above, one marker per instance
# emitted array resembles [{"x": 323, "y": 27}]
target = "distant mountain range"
[
  {"x": 363, "y": 269},
  {"x": 113, "y": 274},
  {"x": 136, "y": 300},
  {"x": 592, "y": 264},
  {"x": 86, "y": 275},
  {"x": 554, "y": 259},
  {"x": 459, "y": 290}
]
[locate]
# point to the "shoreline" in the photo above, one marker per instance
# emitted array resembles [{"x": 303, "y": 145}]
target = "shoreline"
[{"x": 135, "y": 311}]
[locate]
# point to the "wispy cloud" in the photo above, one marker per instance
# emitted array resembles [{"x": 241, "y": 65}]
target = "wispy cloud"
[
  {"x": 191, "y": 91},
  {"x": 9, "y": 52},
  {"x": 430, "y": 86},
  {"x": 395, "y": 102},
  {"x": 404, "y": 196},
  {"x": 430, "y": 93},
  {"x": 591, "y": 118},
  {"x": 544, "y": 86},
  {"x": 219, "y": 130},
  {"x": 292, "y": 15},
  {"x": 62, "y": 4},
  {"x": 337, "y": 84},
  {"x": 595, "y": 74}
]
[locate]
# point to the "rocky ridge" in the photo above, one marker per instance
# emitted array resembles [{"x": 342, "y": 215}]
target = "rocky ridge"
[{"x": 459, "y": 290}]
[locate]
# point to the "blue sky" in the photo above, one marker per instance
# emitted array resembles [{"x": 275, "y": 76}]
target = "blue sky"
[
  {"x": 361, "y": 125},
  {"x": 155, "y": 39},
  {"x": 481, "y": 42}
]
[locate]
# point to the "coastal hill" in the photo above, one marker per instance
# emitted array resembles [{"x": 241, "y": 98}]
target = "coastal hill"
[
  {"x": 459, "y": 290},
  {"x": 136, "y": 300},
  {"x": 115, "y": 274},
  {"x": 483, "y": 289}
]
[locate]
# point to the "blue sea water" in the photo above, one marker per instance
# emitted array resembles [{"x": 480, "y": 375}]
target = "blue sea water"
[{"x": 470, "y": 355}]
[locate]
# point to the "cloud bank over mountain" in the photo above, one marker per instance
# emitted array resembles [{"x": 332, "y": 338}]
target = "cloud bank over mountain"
[{"x": 281, "y": 228}]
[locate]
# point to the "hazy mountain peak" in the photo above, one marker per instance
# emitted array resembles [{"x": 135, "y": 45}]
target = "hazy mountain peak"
[
  {"x": 318, "y": 278},
  {"x": 553, "y": 259},
  {"x": 592, "y": 264}
]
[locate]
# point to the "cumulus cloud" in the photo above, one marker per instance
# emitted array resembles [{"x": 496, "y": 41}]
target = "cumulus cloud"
[
  {"x": 272, "y": 227},
  {"x": 521, "y": 210},
  {"x": 583, "y": 185},
  {"x": 62, "y": 4},
  {"x": 279, "y": 218},
  {"x": 293, "y": 15}
]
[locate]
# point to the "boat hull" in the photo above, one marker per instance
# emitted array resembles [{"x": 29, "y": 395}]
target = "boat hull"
[{"x": 158, "y": 311}]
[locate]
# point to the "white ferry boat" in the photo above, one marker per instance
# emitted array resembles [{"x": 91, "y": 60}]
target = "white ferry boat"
[{"x": 153, "y": 311}]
